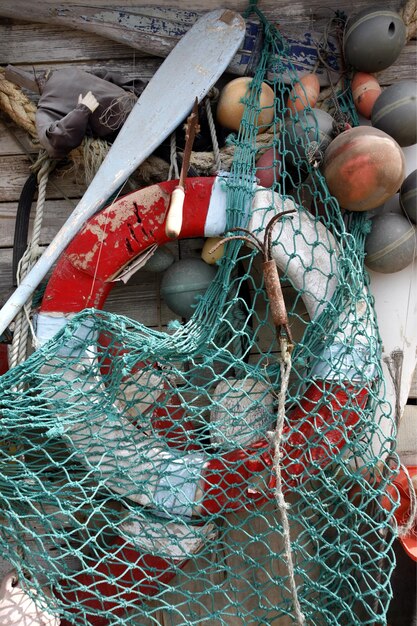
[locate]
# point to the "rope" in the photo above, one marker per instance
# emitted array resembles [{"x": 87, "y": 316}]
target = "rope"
[
  {"x": 409, "y": 14},
  {"x": 213, "y": 134},
  {"x": 17, "y": 106},
  {"x": 394, "y": 365},
  {"x": 18, "y": 353},
  {"x": 406, "y": 528},
  {"x": 285, "y": 367},
  {"x": 326, "y": 100},
  {"x": 173, "y": 168}
]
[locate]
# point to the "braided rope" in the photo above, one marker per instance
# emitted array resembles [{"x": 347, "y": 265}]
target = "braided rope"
[
  {"x": 23, "y": 324},
  {"x": 285, "y": 366},
  {"x": 213, "y": 134},
  {"x": 17, "y": 106},
  {"x": 173, "y": 168},
  {"x": 409, "y": 14}
]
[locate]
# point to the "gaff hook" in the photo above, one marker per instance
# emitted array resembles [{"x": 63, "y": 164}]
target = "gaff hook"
[{"x": 270, "y": 272}]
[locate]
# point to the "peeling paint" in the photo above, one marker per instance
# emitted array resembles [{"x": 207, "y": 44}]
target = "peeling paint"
[
  {"x": 150, "y": 196},
  {"x": 83, "y": 261}
]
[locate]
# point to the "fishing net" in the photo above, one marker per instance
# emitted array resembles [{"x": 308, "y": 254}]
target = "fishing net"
[{"x": 224, "y": 471}]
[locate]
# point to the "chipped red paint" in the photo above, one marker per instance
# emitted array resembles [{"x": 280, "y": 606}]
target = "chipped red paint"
[{"x": 114, "y": 237}]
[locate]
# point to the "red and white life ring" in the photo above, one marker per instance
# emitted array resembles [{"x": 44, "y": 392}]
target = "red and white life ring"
[{"x": 325, "y": 416}]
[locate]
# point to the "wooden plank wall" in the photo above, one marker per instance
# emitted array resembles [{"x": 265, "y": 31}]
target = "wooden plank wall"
[{"x": 41, "y": 47}]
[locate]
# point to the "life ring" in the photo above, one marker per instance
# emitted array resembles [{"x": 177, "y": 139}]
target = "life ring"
[
  {"x": 83, "y": 277},
  {"x": 398, "y": 492}
]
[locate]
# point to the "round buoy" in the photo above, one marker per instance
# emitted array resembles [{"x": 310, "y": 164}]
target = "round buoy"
[
  {"x": 387, "y": 207},
  {"x": 160, "y": 261},
  {"x": 212, "y": 257},
  {"x": 391, "y": 245},
  {"x": 268, "y": 168},
  {"x": 365, "y": 92},
  {"x": 373, "y": 39},
  {"x": 395, "y": 112},
  {"x": 183, "y": 282},
  {"x": 408, "y": 196},
  {"x": 304, "y": 94},
  {"x": 242, "y": 410},
  {"x": 314, "y": 127},
  {"x": 230, "y": 107},
  {"x": 363, "y": 167}
]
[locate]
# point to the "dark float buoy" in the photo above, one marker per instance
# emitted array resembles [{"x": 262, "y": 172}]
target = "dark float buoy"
[{"x": 373, "y": 39}]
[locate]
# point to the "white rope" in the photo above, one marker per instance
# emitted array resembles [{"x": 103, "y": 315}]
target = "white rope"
[
  {"x": 23, "y": 323},
  {"x": 213, "y": 134},
  {"x": 173, "y": 168},
  {"x": 285, "y": 366}
]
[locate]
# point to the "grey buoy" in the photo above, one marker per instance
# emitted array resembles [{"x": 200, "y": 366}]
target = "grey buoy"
[
  {"x": 373, "y": 39},
  {"x": 313, "y": 126},
  {"x": 183, "y": 282},
  {"x": 160, "y": 261},
  {"x": 395, "y": 112},
  {"x": 408, "y": 196},
  {"x": 391, "y": 244}
]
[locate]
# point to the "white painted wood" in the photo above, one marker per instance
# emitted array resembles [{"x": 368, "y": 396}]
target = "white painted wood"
[
  {"x": 396, "y": 307},
  {"x": 413, "y": 387},
  {"x": 407, "y": 436}
]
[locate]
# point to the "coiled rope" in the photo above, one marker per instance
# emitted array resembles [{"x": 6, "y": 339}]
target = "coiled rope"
[
  {"x": 18, "y": 353},
  {"x": 409, "y": 14}
]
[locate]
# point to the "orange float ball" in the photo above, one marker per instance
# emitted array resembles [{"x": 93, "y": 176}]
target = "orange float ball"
[
  {"x": 365, "y": 91},
  {"x": 268, "y": 168},
  {"x": 363, "y": 167},
  {"x": 230, "y": 107},
  {"x": 304, "y": 94}
]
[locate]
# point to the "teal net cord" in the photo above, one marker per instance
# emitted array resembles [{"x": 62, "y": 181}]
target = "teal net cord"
[{"x": 136, "y": 466}]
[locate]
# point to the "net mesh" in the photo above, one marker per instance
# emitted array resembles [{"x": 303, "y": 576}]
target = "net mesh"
[{"x": 138, "y": 468}]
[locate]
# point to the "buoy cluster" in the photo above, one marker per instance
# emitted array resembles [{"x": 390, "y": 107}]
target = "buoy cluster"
[
  {"x": 364, "y": 166},
  {"x": 374, "y": 168}
]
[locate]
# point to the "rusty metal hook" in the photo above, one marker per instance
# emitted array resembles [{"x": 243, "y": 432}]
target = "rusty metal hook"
[{"x": 270, "y": 272}]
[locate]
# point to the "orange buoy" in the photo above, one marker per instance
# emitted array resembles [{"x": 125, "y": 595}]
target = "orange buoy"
[
  {"x": 268, "y": 168},
  {"x": 304, "y": 94},
  {"x": 365, "y": 91},
  {"x": 230, "y": 107},
  {"x": 363, "y": 167}
]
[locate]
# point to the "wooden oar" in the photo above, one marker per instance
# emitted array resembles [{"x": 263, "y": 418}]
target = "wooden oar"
[{"x": 190, "y": 70}]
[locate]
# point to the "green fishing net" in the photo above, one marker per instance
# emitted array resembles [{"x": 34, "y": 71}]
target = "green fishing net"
[{"x": 223, "y": 472}]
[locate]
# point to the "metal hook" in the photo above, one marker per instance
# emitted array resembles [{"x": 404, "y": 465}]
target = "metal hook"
[{"x": 270, "y": 272}]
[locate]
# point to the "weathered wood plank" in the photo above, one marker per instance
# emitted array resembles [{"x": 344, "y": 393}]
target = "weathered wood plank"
[
  {"x": 14, "y": 140},
  {"x": 275, "y": 10},
  {"x": 14, "y": 172},
  {"x": 403, "y": 68},
  {"x": 44, "y": 43},
  {"x": 41, "y": 43},
  {"x": 6, "y": 280},
  {"x": 55, "y": 214},
  {"x": 143, "y": 68}
]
